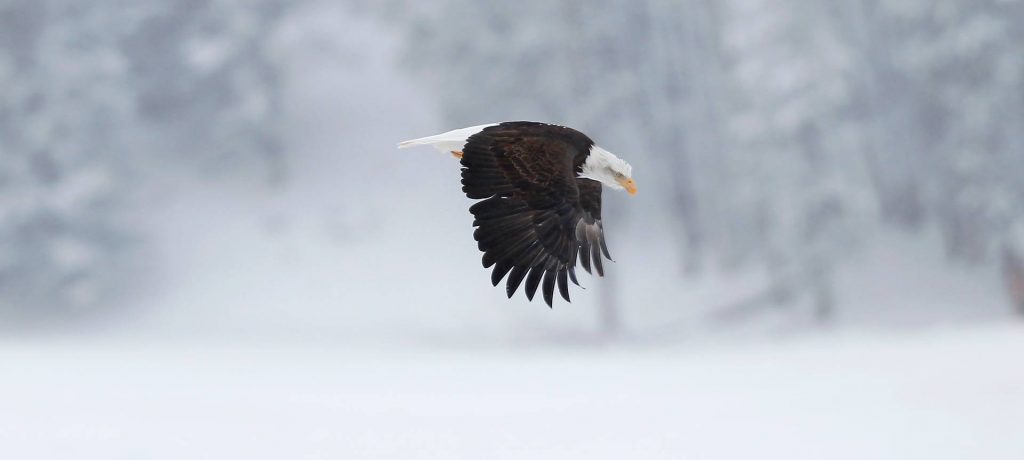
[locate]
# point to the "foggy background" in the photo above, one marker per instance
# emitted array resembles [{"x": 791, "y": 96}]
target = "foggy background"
[{"x": 209, "y": 242}]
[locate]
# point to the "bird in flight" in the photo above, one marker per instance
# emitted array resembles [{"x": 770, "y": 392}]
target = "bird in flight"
[{"x": 540, "y": 192}]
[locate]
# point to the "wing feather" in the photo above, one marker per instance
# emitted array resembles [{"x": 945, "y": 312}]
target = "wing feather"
[
  {"x": 536, "y": 219},
  {"x": 563, "y": 284},
  {"x": 533, "y": 281}
]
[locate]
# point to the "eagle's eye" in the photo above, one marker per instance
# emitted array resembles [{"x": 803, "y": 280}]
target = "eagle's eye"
[{"x": 618, "y": 175}]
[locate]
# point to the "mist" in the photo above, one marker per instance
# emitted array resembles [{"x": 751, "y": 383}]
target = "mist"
[{"x": 209, "y": 240}]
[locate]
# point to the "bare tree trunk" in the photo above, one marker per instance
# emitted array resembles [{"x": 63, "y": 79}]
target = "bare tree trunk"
[
  {"x": 1013, "y": 277},
  {"x": 609, "y": 318},
  {"x": 891, "y": 170},
  {"x": 672, "y": 134},
  {"x": 584, "y": 71}
]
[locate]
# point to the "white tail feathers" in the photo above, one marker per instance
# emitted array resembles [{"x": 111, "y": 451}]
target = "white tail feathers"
[{"x": 451, "y": 141}]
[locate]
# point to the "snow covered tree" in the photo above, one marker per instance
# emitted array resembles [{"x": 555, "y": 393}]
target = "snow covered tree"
[
  {"x": 783, "y": 132},
  {"x": 206, "y": 84},
  {"x": 63, "y": 119},
  {"x": 99, "y": 94}
]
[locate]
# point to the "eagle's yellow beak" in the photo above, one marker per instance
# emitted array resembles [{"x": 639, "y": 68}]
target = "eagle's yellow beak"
[{"x": 629, "y": 185}]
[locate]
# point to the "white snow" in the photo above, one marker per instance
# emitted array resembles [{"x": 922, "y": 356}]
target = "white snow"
[
  {"x": 343, "y": 313},
  {"x": 939, "y": 394}
]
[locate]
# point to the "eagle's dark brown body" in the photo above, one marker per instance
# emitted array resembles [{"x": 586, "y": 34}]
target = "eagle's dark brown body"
[{"x": 537, "y": 217}]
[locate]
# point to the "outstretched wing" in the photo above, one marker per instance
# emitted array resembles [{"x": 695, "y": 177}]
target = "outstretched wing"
[{"x": 534, "y": 218}]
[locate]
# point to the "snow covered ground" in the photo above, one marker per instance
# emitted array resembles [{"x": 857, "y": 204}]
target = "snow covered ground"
[
  {"x": 343, "y": 313},
  {"x": 937, "y": 394}
]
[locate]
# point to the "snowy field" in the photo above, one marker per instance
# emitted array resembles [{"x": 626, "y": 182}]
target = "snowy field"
[{"x": 938, "y": 394}]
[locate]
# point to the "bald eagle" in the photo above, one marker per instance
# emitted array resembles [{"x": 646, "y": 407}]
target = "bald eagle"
[{"x": 540, "y": 187}]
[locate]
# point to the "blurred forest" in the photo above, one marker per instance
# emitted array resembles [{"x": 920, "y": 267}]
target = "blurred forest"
[{"x": 775, "y": 139}]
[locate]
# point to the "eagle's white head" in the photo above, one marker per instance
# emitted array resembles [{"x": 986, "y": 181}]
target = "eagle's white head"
[{"x": 608, "y": 169}]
